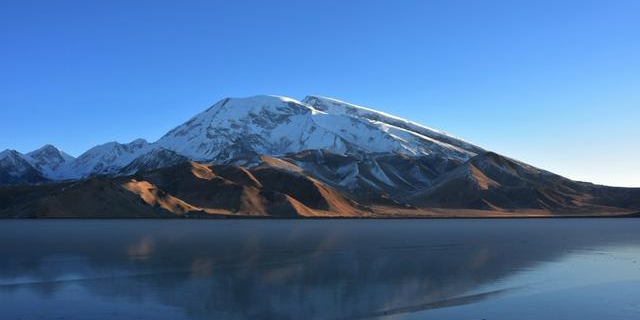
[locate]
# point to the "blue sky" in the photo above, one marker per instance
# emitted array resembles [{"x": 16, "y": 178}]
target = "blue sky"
[{"x": 552, "y": 83}]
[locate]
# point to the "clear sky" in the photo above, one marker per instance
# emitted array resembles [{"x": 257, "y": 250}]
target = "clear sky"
[{"x": 552, "y": 83}]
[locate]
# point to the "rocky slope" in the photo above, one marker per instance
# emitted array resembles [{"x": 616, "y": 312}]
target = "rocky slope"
[
  {"x": 487, "y": 182},
  {"x": 492, "y": 182},
  {"x": 188, "y": 189},
  {"x": 317, "y": 184}
]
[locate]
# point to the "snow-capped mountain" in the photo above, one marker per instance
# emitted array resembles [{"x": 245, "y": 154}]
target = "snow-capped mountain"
[
  {"x": 275, "y": 156},
  {"x": 278, "y": 125},
  {"x": 50, "y": 161},
  {"x": 15, "y": 169},
  {"x": 108, "y": 158},
  {"x": 271, "y": 125}
]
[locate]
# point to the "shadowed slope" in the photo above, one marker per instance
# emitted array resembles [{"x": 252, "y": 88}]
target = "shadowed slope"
[
  {"x": 93, "y": 198},
  {"x": 270, "y": 191},
  {"x": 187, "y": 189},
  {"x": 382, "y": 179},
  {"x": 493, "y": 182},
  {"x": 321, "y": 184},
  {"x": 308, "y": 191}
]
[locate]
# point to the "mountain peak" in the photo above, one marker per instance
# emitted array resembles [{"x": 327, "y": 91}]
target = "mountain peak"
[
  {"x": 16, "y": 169},
  {"x": 8, "y": 152},
  {"x": 252, "y": 103},
  {"x": 278, "y": 125},
  {"x": 115, "y": 145},
  {"x": 48, "y": 160},
  {"x": 49, "y": 150},
  {"x": 48, "y": 147},
  {"x": 138, "y": 141}
]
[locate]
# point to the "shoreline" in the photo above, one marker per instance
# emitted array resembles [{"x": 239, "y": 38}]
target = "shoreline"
[{"x": 426, "y": 217}]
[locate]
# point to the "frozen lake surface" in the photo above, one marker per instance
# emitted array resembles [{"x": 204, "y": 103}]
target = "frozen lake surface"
[{"x": 320, "y": 269}]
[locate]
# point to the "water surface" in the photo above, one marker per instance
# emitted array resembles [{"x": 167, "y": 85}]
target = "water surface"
[{"x": 320, "y": 269}]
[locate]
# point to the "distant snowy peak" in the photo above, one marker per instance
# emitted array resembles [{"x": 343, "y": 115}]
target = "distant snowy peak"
[
  {"x": 15, "y": 169},
  {"x": 48, "y": 160},
  {"x": 50, "y": 151},
  {"x": 111, "y": 158},
  {"x": 107, "y": 158},
  {"x": 12, "y": 157},
  {"x": 6, "y": 153},
  {"x": 278, "y": 125}
]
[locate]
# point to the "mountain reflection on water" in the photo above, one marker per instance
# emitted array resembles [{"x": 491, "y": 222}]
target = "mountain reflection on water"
[{"x": 282, "y": 269}]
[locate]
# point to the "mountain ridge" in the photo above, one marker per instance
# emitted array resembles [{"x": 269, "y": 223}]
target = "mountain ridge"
[
  {"x": 263, "y": 114},
  {"x": 367, "y": 158}
]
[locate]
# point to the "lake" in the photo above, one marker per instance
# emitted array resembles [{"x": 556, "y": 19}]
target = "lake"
[{"x": 320, "y": 269}]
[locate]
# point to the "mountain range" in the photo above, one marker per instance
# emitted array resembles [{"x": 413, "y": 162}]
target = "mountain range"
[{"x": 276, "y": 156}]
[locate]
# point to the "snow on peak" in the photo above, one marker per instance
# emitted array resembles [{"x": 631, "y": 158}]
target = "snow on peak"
[
  {"x": 277, "y": 125},
  {"x": 48, "y": 160},
  {"x": 108, "y": 158},
  {"x": 138, "y": 143},
  {"x": 5, "y": 153},
  {"x": 234, "y": 126},
  {"x": 335, "y": 106},
  {"x": 10, "y": 154},
  {"x": 239, "y": 107},
  {"x": 49, "y": 150},
  {"x": 14, "y": 168},
  {"x": 46, "y": 147}
]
